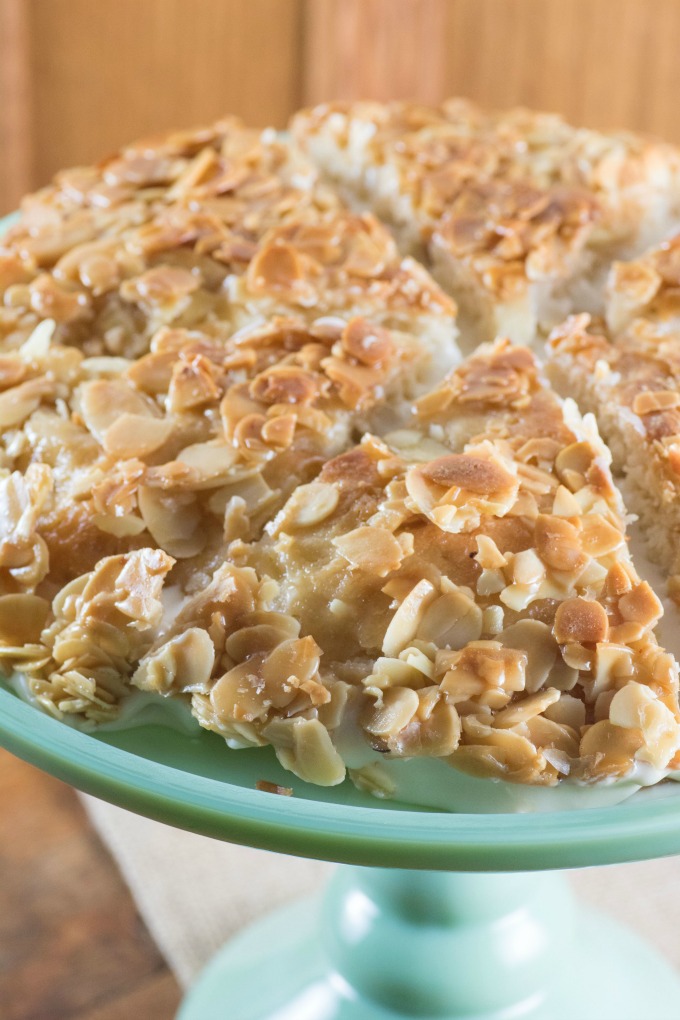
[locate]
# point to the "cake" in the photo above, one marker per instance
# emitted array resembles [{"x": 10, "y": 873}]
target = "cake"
[
  {"x": 255, "y": 461},
  {"x": 518, "y": 214}
]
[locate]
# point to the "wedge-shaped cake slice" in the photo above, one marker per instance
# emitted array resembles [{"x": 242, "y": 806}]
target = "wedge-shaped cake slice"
[
  {"x": 148, "y": 237},
  {"x": 519, "y": 258},
  {"x": 631, "y": 381},
  {"x": 406, "y": 160},
  {"x": 519, "y": 213},
  {"x": 344, "y": 265},
  {"x": 199, "y": 440},
  {"x": 162, "y": 461},
  {"x": 461, "y": 590},
  {"x": 645, "y": 292}
]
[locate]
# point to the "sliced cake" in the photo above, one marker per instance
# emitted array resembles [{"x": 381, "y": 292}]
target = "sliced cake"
[
  {"x": 631, "y": 382},
  {"x": 460, "y": 590},
  {"x": 518, "y": 213}
]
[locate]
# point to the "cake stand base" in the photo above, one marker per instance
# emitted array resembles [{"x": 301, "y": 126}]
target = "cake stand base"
[{"x": 385, "y": 945}]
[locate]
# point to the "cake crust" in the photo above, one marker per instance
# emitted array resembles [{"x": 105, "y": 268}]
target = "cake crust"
[{"x": 243, "y": 465}]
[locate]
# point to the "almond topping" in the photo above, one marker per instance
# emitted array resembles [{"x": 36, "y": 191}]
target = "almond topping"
[
  {"x": 582, "y": 621},
  {"x": 474, "y": 474},
  {"x": 558, "y": 543},
  {"x": 373, "y": 549},
  {"x": 368, "y": 343},
  {"x": 309, "y": 505},
  {"x": 641, "y": 605},
  {"x": 658, "y": 400}
]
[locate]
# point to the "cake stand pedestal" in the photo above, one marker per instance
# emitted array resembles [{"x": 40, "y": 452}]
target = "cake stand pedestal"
[
  {"x": 438, "y": 915},
  {"x": 384, "y": 945}
]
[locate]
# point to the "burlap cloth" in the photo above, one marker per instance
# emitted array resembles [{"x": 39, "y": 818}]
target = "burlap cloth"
[{"x": 194, "y": 893}]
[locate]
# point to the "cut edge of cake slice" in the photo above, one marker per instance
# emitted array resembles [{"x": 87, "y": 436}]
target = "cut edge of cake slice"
[
  {"x": 519, "y": 213},
  {"x": 631, "y": 383}
]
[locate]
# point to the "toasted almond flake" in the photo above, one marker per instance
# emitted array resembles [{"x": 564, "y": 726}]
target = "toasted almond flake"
[
  {"x": 212, "y": 461},
  {"x": 641, "y": 605},
  {"x": 136, "y": 435},
  {"x": 392, "y": 713},
  {"x": 598, "y": 536},
  {"x": 17, "y": 403},
  {"x": 523, "y": 710},
  {"x": 569, "y": 711},
  {"x": 367, "y": 342},
  {"x": 310, "y": 504},
  {"x": 573, "y": 464},
  {"x": 534, "y": 638},
  {"x": 122, "y": 527},
  {"x": 527, "y": 568},
  {"x": 173, "y": 520},
  {"x": 489, "y": 555},
  {"x": 649, "y": 402},
  {"x": 38, "y": 343},
  {"x": 266, "y": 787},
  {"x": 403, "y": 626},
  {"x": 610, "y": 748},
  {"x": 275, "y": 266},
  {"x": 581, "y": 620},
  {"x": 103, "y": 401},
  {"x": 305, "y": 747},
  {"x": 565, "y": 505},
  {"x": 373, "y": 779},
  {"x": 558, "y": 543},
  {"x": 451, "y": 621},
  {"x": 262, "y": 635},
  {"x": 492, "y": 620},
  {"x": 375, "y": 550},
  {"x": 184, "y": 663}
]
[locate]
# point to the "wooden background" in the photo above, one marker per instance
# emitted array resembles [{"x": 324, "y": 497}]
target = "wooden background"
[{"x": 79, "y": 77}]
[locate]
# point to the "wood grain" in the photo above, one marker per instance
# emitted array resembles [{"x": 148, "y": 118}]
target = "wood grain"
[
  {"x": 602, "y": 63},
  {"x": 16, "y": 134},
  {"x": 78, "y": 77},
  {"x": 106, "y": 72},
  {"x": 72, "y": 946},
  {"x": 374, "y": 49}
]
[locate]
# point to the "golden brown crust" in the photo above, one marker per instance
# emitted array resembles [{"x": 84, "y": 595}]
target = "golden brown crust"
[
  {"x": 500, "y": 202},
  {"x": 459, "y": 590},
  {"x": 646, "y": 290},
  {"x": 637, "y": 371},
  {"x": 192, "y": 334}
]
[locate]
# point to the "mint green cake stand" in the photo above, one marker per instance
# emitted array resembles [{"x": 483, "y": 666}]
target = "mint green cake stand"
[{"x": 432, "y": 914}]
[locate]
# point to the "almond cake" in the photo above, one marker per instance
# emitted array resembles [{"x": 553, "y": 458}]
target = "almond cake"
[
  {"x": 254, "y": 461},
  {"x": 518, "y": 214}
]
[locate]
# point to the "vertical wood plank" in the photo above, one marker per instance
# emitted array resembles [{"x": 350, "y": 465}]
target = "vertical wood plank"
[
  {"x": 602, "y": 63},
  {"x": 373, "y": 49},
  {"x": 16, "y": 128},
  {"x": 109, "y": 71},
  {"x": 78, "y": 78}
]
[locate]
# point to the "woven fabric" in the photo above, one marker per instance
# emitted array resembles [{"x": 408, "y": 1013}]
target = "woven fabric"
[{"x": 194, "y": 893}]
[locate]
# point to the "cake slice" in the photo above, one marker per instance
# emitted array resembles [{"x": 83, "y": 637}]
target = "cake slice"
[
  {"x": 518, "y": 213},
  {"x": 148, "y": 237},
  {"x": 631, "y": 382},
  {"x": 166, "y": 458},
  {"x": 459, "y": 590},
  {"x": 188, "y": 331},
  {"x": 644, "y": 293},
  {"x": 518, "y": 258}
]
